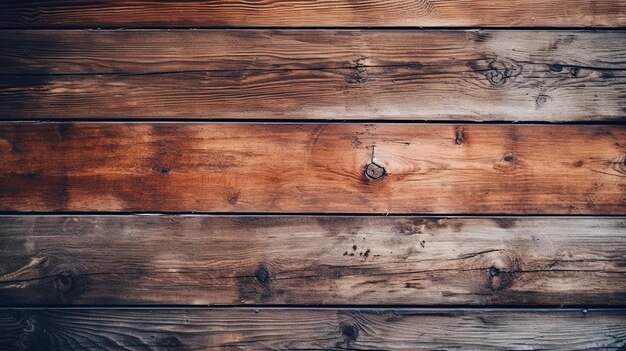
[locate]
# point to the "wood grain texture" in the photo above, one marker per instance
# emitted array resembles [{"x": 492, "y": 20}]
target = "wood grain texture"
[
  {"x": 480, "y": 75},
  {"x": 224, "y": 260},
  {"x": 320, "y": 168},
  {"x": 333, "y": 13},
  {"x": 310, "y": 329}
]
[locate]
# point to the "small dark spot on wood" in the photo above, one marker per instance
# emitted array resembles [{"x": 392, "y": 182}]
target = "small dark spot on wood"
[
  {"x": 233, "y": 198},
  {"x": 459, "y": 136},
  {"x": 423, "y": 243},
  {"x": 64, "y": 282},
  {"x": 351, "y": 253},
  {"x": 262, "y": 275},
  {"x": 541, "y": 100},
  {"x": 607, "y": 75},
  {"x": 578, "y": 163},
  {"x": 345, "y": 253},
  {"x": 349, "y": 332},
  {"x": 494, "y": 271},
  {"x": 354, "y": 247},
  {"x": 555, "y": 67},
  {"x": 505, "y": 223},
  {"x": 367, "y": 253},
  {"x": 164, "y": 171},
  {"x": 574, "y": 71},
  {"x": 65, "y": 130},
  {"x": 374, "y": 171},
  {"x": 509, "y": 157}
]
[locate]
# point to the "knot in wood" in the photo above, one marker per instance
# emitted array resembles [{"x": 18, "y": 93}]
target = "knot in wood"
[
  {"x": 349, "y": 332},
  {"x": 374, "y": 171},
  {"x": 508, "y": 157},
  {"x": 556, "y": 67},
  {"x": 499, "y": 279},
  {"x": 64, "y": 282},
  {"x": 262, "y": 275},
  {"x": 494, "y": 271},
  {"x": 499, "y": 73}
]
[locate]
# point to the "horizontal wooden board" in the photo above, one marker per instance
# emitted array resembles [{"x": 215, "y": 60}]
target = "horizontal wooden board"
[
  {"x": 223, "y": 260},
  {"x": 313, "y": 168},
  {"x": 333, "y": 13},
  {"x": 483, "y": 75},
  {"x": 311, "y": 329}
]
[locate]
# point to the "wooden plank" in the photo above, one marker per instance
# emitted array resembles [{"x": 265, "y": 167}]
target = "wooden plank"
[
  {"x": 313, "y": 168},
  {"x": 333, "y": 13},
  {"x": 223, "y": 260},
  {"x": 315, "y": 74},
  {"x": 312, "y": 329}
]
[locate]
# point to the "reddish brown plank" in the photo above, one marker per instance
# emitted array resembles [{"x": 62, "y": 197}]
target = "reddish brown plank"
[
  {"x": 291, "y": 13},
  {"x": 221, "y": 167},
  {"x": 312, "y": 74},
  {"x": 208, "y": 260},
  {"x": 312, "y": 329}
]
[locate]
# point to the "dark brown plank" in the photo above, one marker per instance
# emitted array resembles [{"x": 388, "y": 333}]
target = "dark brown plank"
[
  {"x": 312, "y": 329},
  {"x": 291, "y": 13},
  {"x": 315, "y": 74},
  {"x": 297, "y": 168},
  {"x": 200, "y": 260}
]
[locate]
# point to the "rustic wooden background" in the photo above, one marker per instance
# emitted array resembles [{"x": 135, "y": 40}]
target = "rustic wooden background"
[{"x": 323, "y": 174}]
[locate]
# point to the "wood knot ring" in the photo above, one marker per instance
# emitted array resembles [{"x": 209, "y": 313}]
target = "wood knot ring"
[{"x": 374, "y": 171}]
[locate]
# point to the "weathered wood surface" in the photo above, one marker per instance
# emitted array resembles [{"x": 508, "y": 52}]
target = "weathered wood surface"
[
  {"x": 333, "y": 13},
  {"x": 200, "y": 260},
  {"x": 309, "y": 329},
  {"x": 313, "y": 168},
  {"x": 314, "y": 74}
]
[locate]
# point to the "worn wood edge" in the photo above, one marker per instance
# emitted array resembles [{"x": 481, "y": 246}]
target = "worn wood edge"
[{"x": 330, "y": 329}]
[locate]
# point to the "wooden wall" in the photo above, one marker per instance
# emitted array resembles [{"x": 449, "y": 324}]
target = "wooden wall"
[{"x": 329, "y": 174}]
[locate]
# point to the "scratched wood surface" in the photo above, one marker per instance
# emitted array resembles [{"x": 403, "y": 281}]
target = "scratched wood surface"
[
  {"x": 308, "y": 329},
  {"x": 330, "y": 13},
  {"x": 313, "y": 168},
  {"x": 230, "y": 260},
  {"x": 478, "y": 75},
  {"x": 324, "y": 233}
]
